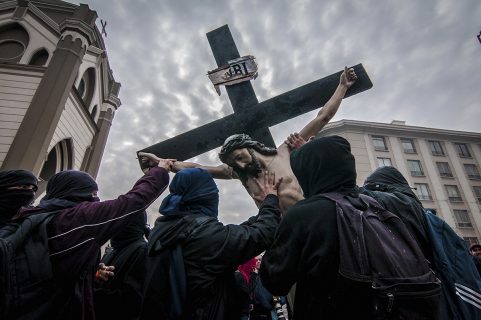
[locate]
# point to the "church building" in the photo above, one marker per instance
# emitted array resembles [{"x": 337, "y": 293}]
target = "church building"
[{"x": 58, "y": 95}]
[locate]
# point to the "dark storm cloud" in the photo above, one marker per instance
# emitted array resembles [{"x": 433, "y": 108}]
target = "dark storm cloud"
[{"x": 422, "y": 56}]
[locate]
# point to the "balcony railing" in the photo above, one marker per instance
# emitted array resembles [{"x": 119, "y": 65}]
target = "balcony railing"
[
  {"x": 464, "y": 224},
  {"x": 425, "y": 197},
  {"x": 455, "y": 199},
  {"x": 417, "y": 173}
]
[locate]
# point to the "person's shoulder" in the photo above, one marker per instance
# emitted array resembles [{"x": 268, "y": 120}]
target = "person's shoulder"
[
  {"x": 312, "y": 202},
  {"x": 307, "y": 208},
  {"x": 25, "y": 212}
]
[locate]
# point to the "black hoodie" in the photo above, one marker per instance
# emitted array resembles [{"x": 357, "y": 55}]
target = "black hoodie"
[
  {"x": 389, "y": 187},
  {"x": 211, "y": 254},
  {"x": 121, "y": 296},
  {"x": 306, "y": 246}
]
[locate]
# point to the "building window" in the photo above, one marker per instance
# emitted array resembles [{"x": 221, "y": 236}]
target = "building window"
[
  {"x": 477, "y": 192},
  {"x": 415, "y": 168},
  {"x": 379, "y": 143},
  {"x": 39, "y": 58},
  {"x": 444, "y": 170},
  {"x": 408, "y": 145},
  {"x": 423, "y": 191},
  {"x": 436, "y": 148},
  {"x": 94, "y": 112},
  {"x": 453, "y": 193},
  {"x": 463, "y": 150},
  {"x": 81, "y": 87},
  {"x": 471, "y": 240},
  {"x": 462, "y": 219},
  {"x": 472, "y": 171},
  {"x": 59, "y": 158},
  {"x": 384, "y": 162}
]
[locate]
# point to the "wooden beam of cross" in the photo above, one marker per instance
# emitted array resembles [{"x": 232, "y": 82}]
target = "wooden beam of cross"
[{"x": 249, "y": 115}]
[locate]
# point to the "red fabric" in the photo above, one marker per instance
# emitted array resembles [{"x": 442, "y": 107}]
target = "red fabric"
[{"x": 247, "y": 268}]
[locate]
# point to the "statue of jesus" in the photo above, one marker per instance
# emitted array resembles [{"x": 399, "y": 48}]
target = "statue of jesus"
[{"x": 245, "y": 159}]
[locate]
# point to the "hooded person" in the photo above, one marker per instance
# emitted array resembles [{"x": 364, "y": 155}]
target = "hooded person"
[
  {"x": 461, "y": 289},
  {"x": 193, "y": 256},
  {"x": 120, "y": 297},
  {"x": 17, "y": 189},
  {"x": 81, "y": 225},
  {"x": 306, "y": 247},
  {"x": 243, "y": 292},
  {"x": 389, "y": 187}
]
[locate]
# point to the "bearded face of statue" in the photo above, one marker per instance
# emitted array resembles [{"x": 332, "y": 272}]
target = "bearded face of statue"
[{"x": 245, "y": 162}]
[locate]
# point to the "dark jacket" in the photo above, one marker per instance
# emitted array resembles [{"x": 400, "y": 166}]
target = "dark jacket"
[
  {"x": 389, "y": 187},
  {"x": 211, "y": 254},
  {"x": 121, "y": 296},
  {"x": 242, "y": 294},
  {"x": 306, "y": 247},
  {"x": 461, "y": 282},
  {"x": 75, "y": 237}
]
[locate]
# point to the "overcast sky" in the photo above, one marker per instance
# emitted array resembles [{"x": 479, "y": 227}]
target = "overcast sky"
[{"x": 422, "y": 56}]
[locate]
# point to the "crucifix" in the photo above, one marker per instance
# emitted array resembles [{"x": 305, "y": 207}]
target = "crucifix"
[{"x": 250, "y": 116}]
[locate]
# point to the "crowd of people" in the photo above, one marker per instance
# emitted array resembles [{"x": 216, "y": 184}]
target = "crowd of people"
[{"x": 319, "y": 247}]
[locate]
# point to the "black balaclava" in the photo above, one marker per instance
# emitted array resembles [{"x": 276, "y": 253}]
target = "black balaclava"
[
  {"x": 67, "y": 189},
  {"x": 133, "y": 232},
  {"x": 11, "y": 200},
  {"x": 389, "y": 179},
  {"x": 389, "y": 187},
  {"x": 324, "y": 165}
]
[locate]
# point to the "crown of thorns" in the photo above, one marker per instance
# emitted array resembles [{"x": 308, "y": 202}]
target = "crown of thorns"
[{"x": 239, "y": 141}]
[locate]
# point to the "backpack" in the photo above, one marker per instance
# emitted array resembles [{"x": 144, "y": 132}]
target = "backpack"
[
  {"x": 381, "y": 264},
  {"x": 26, "y": 277},
  {"x": 461, "y": 291}
]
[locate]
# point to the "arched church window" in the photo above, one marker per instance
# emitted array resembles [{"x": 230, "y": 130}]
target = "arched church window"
[
  {"x": 94, "y": 112},
  {"x": 81, "y": 88},
  {"x": 60, "y": 158},
  {"x": 86, "y": 86},
  {"x": 39, "y": 58},
  {"x": 13, "y": 42}
]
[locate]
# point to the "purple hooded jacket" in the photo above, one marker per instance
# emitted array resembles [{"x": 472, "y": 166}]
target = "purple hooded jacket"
[{"x": 75, "y": 236}]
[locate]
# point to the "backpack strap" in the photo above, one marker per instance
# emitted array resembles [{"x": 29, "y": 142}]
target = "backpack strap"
[{"x": 353, "y": 254}]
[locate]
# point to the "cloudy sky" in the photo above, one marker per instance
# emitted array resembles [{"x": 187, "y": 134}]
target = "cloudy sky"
[{"x": 422, "y": 56}]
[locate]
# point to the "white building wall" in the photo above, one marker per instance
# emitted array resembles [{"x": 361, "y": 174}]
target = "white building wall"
[
  {"x": 17, "y": 88},
  {"x": 436, "y": 185},
  {"x": 367, "y": 159},
  {"x": 74, "y": 125}
]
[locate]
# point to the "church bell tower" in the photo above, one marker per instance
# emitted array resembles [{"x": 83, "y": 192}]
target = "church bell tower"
[{"x": 58, "y": 96}]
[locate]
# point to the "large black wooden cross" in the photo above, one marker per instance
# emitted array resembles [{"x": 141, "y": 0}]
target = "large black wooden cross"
[{"x": 249, "y": 115}]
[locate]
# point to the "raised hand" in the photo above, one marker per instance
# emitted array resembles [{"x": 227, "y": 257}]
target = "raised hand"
[
  {"x": 295, "y": 141},
  {"x": 151, "y": 160},
  {"x": 348, "y": 77}
]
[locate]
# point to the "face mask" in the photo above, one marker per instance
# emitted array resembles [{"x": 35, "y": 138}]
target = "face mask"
[
  {"x": 12, "y": 200},
  {"x": 95, "y": 199}
]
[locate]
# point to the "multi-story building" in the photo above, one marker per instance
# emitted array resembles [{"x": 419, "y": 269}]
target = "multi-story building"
[
  {"x": 442, "y": 165},
  {"x": 58, "y": 95}
]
